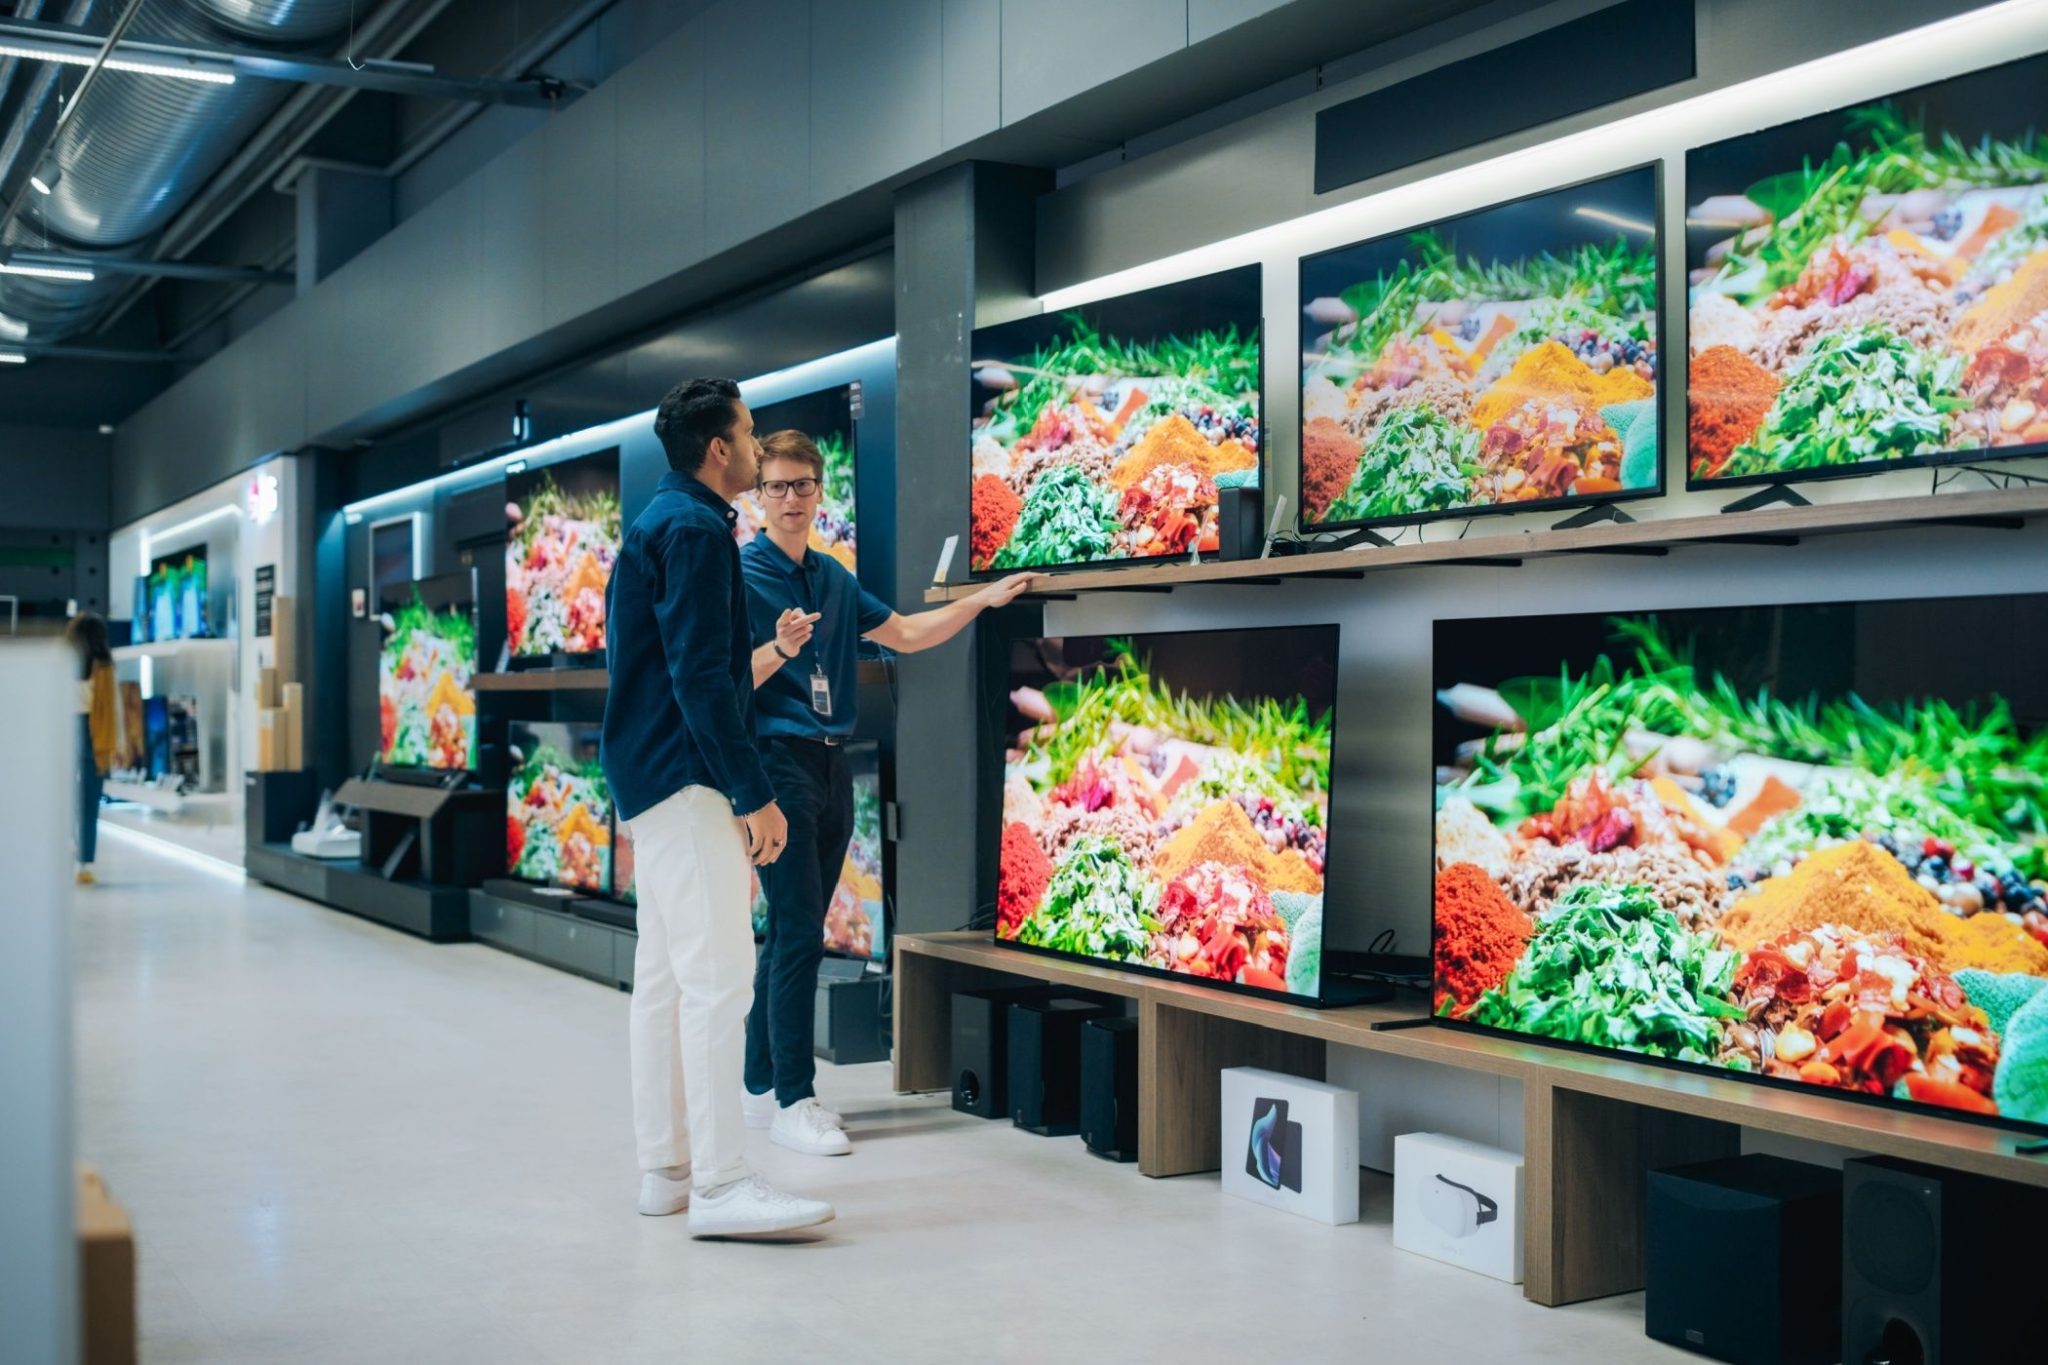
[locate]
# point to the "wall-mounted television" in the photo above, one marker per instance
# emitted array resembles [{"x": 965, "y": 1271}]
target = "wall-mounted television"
[
  {"x": 1166, "y": 803},
  {"x": 1505, "y": 360},
  {"x": 1103, "y": 432},
  {"x": 426, "y": 665},
  {"x": 1805, "y": 844},
  {"x": 1869, "y": 287},
  {"x": 558, "y": 807},
  {"x": 562, "y": 539},
  {"x": 827, "y": 418},
  {"x": 177, "y": 596},
  {"x": 856, "y": 918}
]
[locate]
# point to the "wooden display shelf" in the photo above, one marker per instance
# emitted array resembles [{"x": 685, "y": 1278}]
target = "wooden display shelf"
[
  {"x": 1766, "y": 526},
  {"x": 1593, "y": 1123},
  {"x": 599, "y": 680}
]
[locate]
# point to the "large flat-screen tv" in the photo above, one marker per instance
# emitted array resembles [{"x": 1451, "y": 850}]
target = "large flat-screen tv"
[
  {"x": 426, "y": 697},
  {"x": 1799, "y": 843},
  {"x": 561, "y": 542},
  {"x": 1103, "y": 432},
  {"x": 1501, "y": 361},
  {"x": 1166, "y": 803},
  {"x": 1869, "y": 287},
  {"x": 177, "y": 596},
  {"x": 827, "y": 418},
  {"x": 856, "y": 918},
  {"x": 558, "y": 807}
]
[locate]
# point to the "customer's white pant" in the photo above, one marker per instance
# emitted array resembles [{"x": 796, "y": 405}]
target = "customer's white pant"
[{"x": 693, "y": 982}]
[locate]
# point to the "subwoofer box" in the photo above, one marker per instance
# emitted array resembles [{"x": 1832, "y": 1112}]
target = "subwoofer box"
[
  {"x": 1045, "y": 1062},
  {"x": 981, "y": 1053},
  {"x": 1109, "y": 1088}
]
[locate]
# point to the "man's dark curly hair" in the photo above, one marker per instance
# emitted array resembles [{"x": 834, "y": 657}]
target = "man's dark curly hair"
[{"x": 695, "y": 412}]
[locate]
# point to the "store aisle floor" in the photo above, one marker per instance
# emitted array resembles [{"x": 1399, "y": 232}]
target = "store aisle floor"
[{"x": 339, "y": 1143}]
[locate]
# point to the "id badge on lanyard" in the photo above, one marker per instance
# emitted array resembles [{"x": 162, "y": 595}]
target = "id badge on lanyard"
[{"x": 821, "y": 692}]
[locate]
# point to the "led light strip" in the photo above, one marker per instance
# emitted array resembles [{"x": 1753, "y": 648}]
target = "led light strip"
[
  {"x": 48, "y": 272},
  {"x": 176, "y": 852},
  {"x": 133, "y": 66}
]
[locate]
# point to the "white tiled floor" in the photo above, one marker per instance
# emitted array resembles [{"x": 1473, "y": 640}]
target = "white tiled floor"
[{"x": 342, "y": 1144}]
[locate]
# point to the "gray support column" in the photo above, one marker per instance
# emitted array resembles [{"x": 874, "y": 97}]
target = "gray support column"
[
  {"x": 965, "y": 240},
  {"x": 342, "y": 209}
]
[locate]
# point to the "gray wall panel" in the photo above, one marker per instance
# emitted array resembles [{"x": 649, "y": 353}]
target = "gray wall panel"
[
  {"x": 1056, "y": 49},
  {"x": 579, "y": 220},
  {"x": 1207, "y": 18},
  {"x": 56, "y": 478},
  {"x": 757, "y": 171},
  {"x": 660, "y": 154},
  {"x": 510, "y": 251},
  {"x": 876, "y": 92},
  {"x": 971, "y": 104}
]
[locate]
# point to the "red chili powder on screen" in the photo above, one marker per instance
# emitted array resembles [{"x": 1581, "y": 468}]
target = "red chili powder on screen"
[
  {"x": 994, "y": 515},
  {"x": 1329, "y": 457},
  {"x": 1480, "y": 935},
  {"x": 1024, "y": 872}
]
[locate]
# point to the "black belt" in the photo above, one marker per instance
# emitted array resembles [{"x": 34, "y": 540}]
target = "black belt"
[{"x": 828, "y": 741}]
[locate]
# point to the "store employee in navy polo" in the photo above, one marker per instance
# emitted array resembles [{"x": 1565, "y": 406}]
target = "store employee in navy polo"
[{"x": 811, "y": 612}]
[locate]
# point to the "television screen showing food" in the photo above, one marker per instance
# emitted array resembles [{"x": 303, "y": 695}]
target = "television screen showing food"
[
  {"x": 827, "y": 418},
  {"x": 177, "y": 596},
  {"x": 1501, "y": 361},
  {"x": 1166, "y": 803},
  {"x": 1103, "y": 432},
  {"x": 1869, "y": 287},
  {"x": 562, "y": 539},
  {"x": 625, "y": 873},
  {"x": 856, "y": 921},
  {"x": 1793, "y": 843},
  {"x": 558, "y": 825},
  {"x": 426, "y": 702}
]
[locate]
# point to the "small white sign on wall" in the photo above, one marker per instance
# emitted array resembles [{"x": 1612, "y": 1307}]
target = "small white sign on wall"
[{"x": 1291, "y": 1143}]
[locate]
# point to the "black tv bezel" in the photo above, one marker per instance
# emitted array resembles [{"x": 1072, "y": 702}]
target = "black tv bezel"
[
  {"x": 611, "y": 817},
  {"x": 1829, "y": 473},
  {"x": 476, "y": 671},
  {"x": 1575, "y": 502},
  {"x": 1887, "y": 1102},
  {"x": 1255, "y": 270},
  {"x": 515, "y": 660},
  {"x": 1320, "y": 1000},
  {"x": 845, "y": 392}
]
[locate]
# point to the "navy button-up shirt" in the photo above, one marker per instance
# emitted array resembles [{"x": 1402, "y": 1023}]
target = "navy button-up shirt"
[
  {"x": 846, "y": 611},
  {"x": 679, "y": 713}
]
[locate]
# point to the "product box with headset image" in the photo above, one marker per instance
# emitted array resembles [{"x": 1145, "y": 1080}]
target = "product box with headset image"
[
  {"x": 1291, "y": 1143},
  {"x": 1460, "y": 1202}
]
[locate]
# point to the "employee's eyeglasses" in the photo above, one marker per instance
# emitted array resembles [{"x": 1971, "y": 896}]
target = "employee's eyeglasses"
[{"x": 782, "y": 488}]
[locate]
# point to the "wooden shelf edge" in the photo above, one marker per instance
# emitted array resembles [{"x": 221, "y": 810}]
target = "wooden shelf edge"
[{"x": 1874, "y": 514}]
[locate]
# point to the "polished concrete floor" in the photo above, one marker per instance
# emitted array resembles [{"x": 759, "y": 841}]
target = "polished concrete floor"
[{"x": 339, "y": 1143}]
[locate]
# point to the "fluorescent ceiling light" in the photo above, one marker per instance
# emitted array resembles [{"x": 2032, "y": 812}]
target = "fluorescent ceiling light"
[
  {"x": 38, "y": 184},
  {"x": 13, "y": 358},
  {"x": 1620, "y": 220},
  {"x": 48, "y": 272},
  {"x": 65, "y": 56}
]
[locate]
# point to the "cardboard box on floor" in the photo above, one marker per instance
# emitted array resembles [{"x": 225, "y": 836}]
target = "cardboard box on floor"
[
  {"x": 284, "y": 639},
  {"x": 106, "y": 1253},
  {"x": 269, "y": 733},
  {"x": 268, "y": 693},
  {"x": 294, "y": 744}
]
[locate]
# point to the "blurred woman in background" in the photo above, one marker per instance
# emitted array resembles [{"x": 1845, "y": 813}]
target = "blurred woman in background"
[{"x": 97, "y": 727}]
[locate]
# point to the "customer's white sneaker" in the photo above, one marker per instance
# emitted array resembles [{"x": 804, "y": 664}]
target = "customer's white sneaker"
[
  {"x": 809, "y": 1127},
  {"x": 660, "y": 1196},
  {"x": 759, "y": 1109},
  {"x": 752, "y": 1207}
]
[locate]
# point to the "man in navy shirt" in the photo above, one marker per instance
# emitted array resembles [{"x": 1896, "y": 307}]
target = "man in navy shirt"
[
  {"x": 811, "y": 612},
  {"x": 680, "y": 757}
]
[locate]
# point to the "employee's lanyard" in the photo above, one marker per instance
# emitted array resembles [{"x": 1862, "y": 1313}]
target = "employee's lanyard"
[{"x": 821, "y": 685}]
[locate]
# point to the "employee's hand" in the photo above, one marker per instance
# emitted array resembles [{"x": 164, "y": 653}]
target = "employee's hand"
[
  {"x": 1003, "y": 592},
  {"x": 793, "y": 630},
  {"x": 767, "y": 831}
]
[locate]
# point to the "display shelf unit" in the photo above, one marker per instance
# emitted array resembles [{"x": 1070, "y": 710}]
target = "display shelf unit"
[
  {"x": 433, "y": 911},
  {"x": 573, "y": 939},
  {"x": 1775, "y": 526},
  {"x": 1593, "y": 1124},
  {"x": 599, "y": 680},
  {"x": 173, "y": 649}
]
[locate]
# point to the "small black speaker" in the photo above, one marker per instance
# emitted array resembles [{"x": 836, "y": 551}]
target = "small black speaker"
[
  {"x": 1240, "y": 523},
  {"x": 1109, "y": 1088},
  {"x": 1921, "y": 1283},
  {"x": 1045, "y": 1062},
  {"x": 981, "y": 1050},
  {"x": 847, "y": 1028},
  {"x": 1740, "y": 1260}
]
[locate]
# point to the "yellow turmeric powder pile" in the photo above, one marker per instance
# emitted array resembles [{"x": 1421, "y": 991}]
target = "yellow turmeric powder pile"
[
  {"x": 1856, "y": 885},
  {"x": 1550, "y": 373},
  {"x": 1175, "y": 441},
  {"x": 1223, "y": 833}
]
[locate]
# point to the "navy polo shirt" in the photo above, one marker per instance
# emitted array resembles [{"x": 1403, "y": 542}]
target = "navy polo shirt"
[
  {"x": 846, "y": 611},
  {"x": 679, "y": 713}
]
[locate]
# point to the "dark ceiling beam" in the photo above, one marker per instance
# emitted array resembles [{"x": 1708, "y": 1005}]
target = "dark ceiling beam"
[
  {"x": 33, "y": 38},
  {"x": 170, "y": 270}
]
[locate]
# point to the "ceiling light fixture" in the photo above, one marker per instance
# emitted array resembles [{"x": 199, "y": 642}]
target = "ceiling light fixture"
[
  {"x": 43, "y": 179},
  {"x": 177, "y": 71},
  {"x": 77, "y": 274},
  {"x": 13, "y": 358}
]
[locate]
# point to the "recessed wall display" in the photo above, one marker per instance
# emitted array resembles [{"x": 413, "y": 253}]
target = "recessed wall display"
[
  {"x": 1869, "y": 287},
  {"x": 426, "y": 699},
  {"x": 559, "y": 808},
  {"x": 562, "y": 540},
  {"x": 1795, "y": 843},
  {"x": 1166, "y": 802},
  {"x": 1505, "y": 360},
  {"x": 1104, "y": 431},
  {"x": 177, "y": 596},
  {"x": 827, "y": 418}
]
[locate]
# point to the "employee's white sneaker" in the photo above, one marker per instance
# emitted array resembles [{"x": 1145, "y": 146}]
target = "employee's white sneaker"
[
  {"x": 660, "y": 1196},
  {"x": 759, "y": 1109},
  {"x": 809, "y": 1127},
  {"x": 753, "y": 1207}
]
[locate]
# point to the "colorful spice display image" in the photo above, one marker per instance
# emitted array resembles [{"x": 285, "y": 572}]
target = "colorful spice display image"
[
  {"x": 1502, "y": 360},
  {"x": 1166, "y": 802},
  {"x": 1105, "y": 431},
  {"x": 563, "y": 539},
  {"x": 856, "y": 924},
  {"x": 426, "y": 705},
  {"x": 1791, "y": 842},
  {"x": 827, "y": 418},
  {"x": 176, "y": 597},
  {"x": 558, "y": 806},
  {"x": 1869, "y": 288}
]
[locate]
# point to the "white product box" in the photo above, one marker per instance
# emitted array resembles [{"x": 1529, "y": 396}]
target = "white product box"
[
  {"x": 1460, "y": 1202},
  {"x": 1291, "y": 1143}
]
